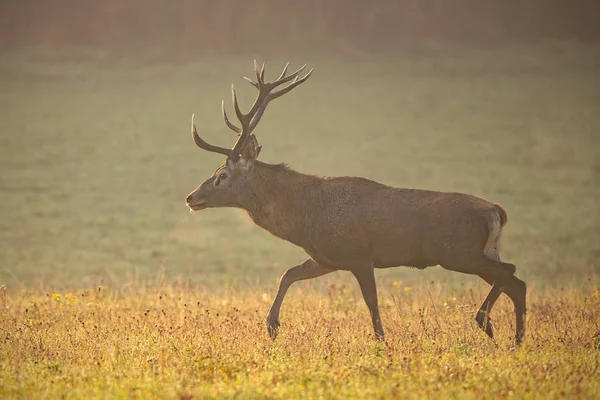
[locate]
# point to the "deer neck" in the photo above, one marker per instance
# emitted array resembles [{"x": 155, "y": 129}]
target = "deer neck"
[{"x": 276, "y": 201}]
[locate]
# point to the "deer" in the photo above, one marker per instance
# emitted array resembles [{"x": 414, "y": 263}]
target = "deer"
[{"x": 355, "y": 224}]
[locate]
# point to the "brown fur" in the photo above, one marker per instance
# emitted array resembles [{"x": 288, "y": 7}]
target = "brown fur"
[
  {"x": 343, "y": 221},
  {"x": 356, "y": 224},
  {"x": 502, "y": 213}
]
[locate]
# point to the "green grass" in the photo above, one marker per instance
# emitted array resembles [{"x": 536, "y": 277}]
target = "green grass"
[{"x": 96, "y": 157}]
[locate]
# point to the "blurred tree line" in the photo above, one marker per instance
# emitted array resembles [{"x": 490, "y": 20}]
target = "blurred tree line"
[{"x": 238, "y": 25}]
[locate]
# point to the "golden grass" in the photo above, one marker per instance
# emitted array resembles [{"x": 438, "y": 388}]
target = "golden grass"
[{"x": 171, "y": 341}]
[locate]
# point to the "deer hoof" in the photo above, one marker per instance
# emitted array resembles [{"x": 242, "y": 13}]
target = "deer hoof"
[
  {"x": 519, "y": 338},
  {"x": 485, "y": 323},
  {"x": 273, "y": 329}
]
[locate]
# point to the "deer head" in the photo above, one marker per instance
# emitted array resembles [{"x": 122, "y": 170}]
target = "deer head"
[{"x": 223, "y": 188}]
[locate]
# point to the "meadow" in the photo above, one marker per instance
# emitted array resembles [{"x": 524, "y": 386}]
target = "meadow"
[
  {"x": 97, "y": 159},
  {"x": 176, "y": 341},
  {"x": 113, "y": 287}
]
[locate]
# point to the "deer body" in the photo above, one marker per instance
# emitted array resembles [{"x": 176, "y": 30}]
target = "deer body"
[
  {"x": 335, "y": 220},
  {"x": 356, "y": 224}
]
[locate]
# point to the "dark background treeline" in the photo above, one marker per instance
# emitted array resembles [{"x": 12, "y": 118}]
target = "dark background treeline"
[{"x": 238, "y": 25}]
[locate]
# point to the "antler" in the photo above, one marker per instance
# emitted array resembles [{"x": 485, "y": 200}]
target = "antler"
[
  {"x": 252, "y": 118},
  {"x": 207, "y": 146}
]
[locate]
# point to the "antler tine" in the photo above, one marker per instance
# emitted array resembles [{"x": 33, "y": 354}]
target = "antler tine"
[
  {"x": 252, "y": 82},
  {"x": 264, "y": 88},
  {"x": 292, "y": 85},
  {"x": 236, "y": 107},
  {"x": 288, "y": 78},
  {"x": 206, "y": 146},
  {"x": 284, "y": 71},
  {"x": 265, "y": 95},
  {"x": 260, "y": 76},
  {"x": 256, "y": 70},
  {"x": 262, "y": 72},
  {"x": 274, "y": 95},
  {"x": 227, "y": 122}
]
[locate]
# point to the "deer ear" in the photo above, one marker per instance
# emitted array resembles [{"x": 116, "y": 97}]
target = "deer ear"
[
  {"x": 244, "y": 163},
  {"x": 251, "y": 149}
]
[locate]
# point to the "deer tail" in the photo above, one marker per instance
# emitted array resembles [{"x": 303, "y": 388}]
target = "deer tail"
[{"x": 502, "y": 214}]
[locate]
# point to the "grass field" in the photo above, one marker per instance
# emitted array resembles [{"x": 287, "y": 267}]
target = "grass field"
[
  {"x": 96, "y": 157},
  {"x": 174, "y": 341},
  {"x": 96, "y": 160}
]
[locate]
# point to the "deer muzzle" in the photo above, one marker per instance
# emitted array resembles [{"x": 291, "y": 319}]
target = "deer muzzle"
[{"x": 194, "y": 203}]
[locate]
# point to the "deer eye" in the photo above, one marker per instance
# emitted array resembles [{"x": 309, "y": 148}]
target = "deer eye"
[{"x": 222, "y": 176}]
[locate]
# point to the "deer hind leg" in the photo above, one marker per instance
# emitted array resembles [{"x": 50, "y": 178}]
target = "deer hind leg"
[
  {"x": 491, "y": 251},
  {"x": 514, "y": 288},
  {"x": 308, "y": 270},
  {"x": 496, "y": 277},
  {"x": 483, "y": 314},
  {"x": 366, "y": 281},
  {"x": 496, "y": 273}
]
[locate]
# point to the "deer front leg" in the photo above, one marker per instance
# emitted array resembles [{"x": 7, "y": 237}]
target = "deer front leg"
[
  {"x": 308, "y": 270},
  {"x": 366, "y": 280}
]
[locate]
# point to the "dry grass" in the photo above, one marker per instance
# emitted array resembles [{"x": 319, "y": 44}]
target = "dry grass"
[{"x": 173, "y": 340}]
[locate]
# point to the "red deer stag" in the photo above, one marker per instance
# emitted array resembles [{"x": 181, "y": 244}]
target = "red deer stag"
[{"x": 355, "y": 224}]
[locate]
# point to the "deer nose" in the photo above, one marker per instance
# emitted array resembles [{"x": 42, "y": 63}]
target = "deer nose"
[{"x": 188, "y": 199}]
